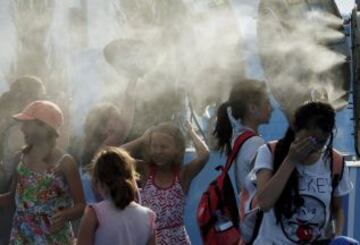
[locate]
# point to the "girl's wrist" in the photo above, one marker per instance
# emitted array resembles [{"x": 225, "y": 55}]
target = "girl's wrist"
[
  {"x": 192, "y": 133},
  {"x": 290, "y": 161}
]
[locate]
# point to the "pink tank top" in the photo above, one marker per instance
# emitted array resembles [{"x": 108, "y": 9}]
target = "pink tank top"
[
  {"x": 133, "y": 225},
  {"x": 168, "y": 204}
]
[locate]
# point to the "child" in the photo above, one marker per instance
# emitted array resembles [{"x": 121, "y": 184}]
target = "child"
[
  {"x": 247, "y": 108},
  {"x": 165, "y": 180},
  {"x": 22, "y": 91},
  {"x": 117, "y": 219},
  {"x": 47, "y": 187},
  {"x": 105, "y": 125},
  {"x": 295, "y": 184}
]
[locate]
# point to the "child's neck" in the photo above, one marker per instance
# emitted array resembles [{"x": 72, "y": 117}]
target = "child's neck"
[
  {"x": 40, "y": 152},
  {"x": 252, "y": 124},
  {"x": 166, "y": 169},
  {"x": 164, "y": 177}
]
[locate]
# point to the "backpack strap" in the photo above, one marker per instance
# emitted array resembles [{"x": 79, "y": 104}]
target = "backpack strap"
[
  {"x": 236, "y": 148},
  {"x": 337, "y": 164},
  {"x": 272, "y": 145},
  {"x": 337, "y": 168}
]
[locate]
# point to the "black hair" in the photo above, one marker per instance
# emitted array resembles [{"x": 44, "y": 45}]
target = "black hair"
[{"x": 311, "y": 115}]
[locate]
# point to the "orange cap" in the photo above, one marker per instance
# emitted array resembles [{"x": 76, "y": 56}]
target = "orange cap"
[{"x": 44, "y": 111}]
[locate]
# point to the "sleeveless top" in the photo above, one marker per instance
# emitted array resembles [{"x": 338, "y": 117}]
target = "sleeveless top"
[
  {"x": 38, "y": 196},
  {"x": 168, "y": 204},
  {"x": 134, "y": 225}
]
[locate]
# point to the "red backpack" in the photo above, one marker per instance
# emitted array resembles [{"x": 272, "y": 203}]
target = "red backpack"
[{"x": 217, "y": 215}]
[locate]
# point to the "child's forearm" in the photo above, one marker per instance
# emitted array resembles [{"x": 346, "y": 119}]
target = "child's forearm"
[
  {"x": 133, "y": 146},
  {"x": 128, "y": 107},
  {"x": 138, "y": 143},
  {"x": 5, "y": 199},
  {"x": 201, "y": 148},
  {"x": 74, "y": 212},
  {"x": 339, "y": 222},
  {"x": 269, "y": 192}
]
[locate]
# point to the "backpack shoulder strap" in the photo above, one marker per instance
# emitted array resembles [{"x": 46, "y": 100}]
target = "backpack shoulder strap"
[
  {"x": 272, "y": 145},
  {"x": 337, "y": 167},
  {"x": 236, "y": 148}
]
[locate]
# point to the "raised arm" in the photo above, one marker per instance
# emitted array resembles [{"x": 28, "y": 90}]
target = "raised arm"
[
  {"x": 269, "y": 185},
  {"x": 190, "y": 170},
  {"x": 120, "y": 127},
  {"x": 138, "y": 143}
]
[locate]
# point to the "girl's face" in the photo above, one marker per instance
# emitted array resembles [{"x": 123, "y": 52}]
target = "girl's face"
[
  {"x": 34, "y": 132},
  {"x": 163, "y": 149},
  {"x": 319, "y": 139},
  {"x": 263, "y": 110}
]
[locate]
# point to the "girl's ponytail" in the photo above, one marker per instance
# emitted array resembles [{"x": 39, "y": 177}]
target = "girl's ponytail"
[{"x": 223, "y": 129}]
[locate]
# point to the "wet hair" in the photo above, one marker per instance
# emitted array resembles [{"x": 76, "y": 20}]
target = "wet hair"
[
  {"x": 311, "y": 115},
  {"x": 31, "y": 86},
  {"x": 21, "y": 92},
  {"x": 95, "y": 128},
  {"x": 179, "y": 139},
  {"x": 114, "y": 169},
  {"x": 242, "y": 94}
]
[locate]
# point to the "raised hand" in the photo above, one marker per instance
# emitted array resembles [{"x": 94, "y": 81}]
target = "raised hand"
[{"x": 301, "y": 148}]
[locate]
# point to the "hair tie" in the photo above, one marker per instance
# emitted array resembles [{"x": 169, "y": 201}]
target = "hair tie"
[{"x": 235, "y": 123}]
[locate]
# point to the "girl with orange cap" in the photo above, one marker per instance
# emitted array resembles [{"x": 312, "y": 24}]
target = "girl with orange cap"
[
  {"x": 21, "y": 92},
  {"x": 46, "y": 187}
]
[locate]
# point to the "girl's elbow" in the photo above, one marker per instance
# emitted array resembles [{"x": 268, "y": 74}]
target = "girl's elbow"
[
  {"x": 263, "y": 204},
  {"x": 264, "y": 207},
  {"x": 205, "y": 157},
  {"x": 80, "y": 206}
]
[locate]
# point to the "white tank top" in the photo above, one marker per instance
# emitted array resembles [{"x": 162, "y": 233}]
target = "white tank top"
[{"x": 133, "y": 225}]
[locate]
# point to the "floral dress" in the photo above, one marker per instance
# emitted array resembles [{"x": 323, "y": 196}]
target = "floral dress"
[{"x": 39, "y": 195}]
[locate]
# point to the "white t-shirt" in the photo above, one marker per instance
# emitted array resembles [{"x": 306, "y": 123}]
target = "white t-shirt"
[
  {"x": 243, "y": 167},
  {"x": 244, "y": 159},
  {"x": 315, "y": 188}
]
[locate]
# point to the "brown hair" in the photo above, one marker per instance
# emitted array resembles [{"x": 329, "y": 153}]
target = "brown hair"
[
  {"x": 114, "y": 168},
  {"x": 173, "y": 131},
  {"x": 242, "y": 94}
]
